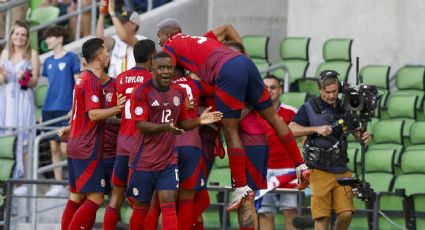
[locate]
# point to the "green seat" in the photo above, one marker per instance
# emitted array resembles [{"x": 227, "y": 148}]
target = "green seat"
[
  {"x": 39, "y": 98},
  {"x": 336, "y": 56},
  {"x": 388, "y": 134},
  {"x": 125, "y": 214},
  {"x": 38, "y": 16},
  {"x": 256, "y": 48},
  {"x": 294, "y": 55},
  {"x": 294, "y": 99},
  {"x": 417, "y": 136},
  {"x": 403, "y": 107},
  {"x": 35, "y": 4},
  {"x": 7, "y": 156},
  {"x": 352, "y": 159},
  {"x": 377, "y": 75}
]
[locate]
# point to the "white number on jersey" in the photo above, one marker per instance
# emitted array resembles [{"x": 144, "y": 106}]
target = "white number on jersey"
[
  {"x": 188, "y": 90},
  {"x": 127, "y": 113},
  {"x": 165, "y": 115}
]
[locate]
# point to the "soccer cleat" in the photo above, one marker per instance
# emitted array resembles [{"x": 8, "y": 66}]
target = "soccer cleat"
[{"x": 240, "y": 194}]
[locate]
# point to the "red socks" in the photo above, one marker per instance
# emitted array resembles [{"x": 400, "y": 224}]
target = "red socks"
[
  {"x": 110, "y": 219},
  {"x": 138, "y": 217},
  {"x": 291, "y": 146},
  {"x": 185, "y": 214},
  {"x": 151, "y": 220},
  {"x": 237, "y": 166},
  {"x": 202, "y": 201},
  {"x": 69, "y": 211},
  {"x": 85, "y": 216},
  {"x": 169, "y": 217}
]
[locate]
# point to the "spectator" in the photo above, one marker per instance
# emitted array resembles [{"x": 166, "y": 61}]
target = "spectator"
[
  {"x": 122, "y": 44},
  {"x": 18, "y": 13},
  {"x": 281, "y": 162},
  {"x": 19, "y": 72},
  {"x": 85, "y": 19},
  {"x": 62, "y": 70}
]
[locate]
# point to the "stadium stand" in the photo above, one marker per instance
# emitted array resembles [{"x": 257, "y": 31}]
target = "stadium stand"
[
  {"x": 295, "y": 99},
  {"x": 257, "y": 48},
  {"x": 377, "y": 75}
]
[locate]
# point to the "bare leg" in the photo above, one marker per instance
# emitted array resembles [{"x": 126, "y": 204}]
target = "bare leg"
[
  {"x": 246, "y": 214},
  {"x": 343, "y": 220},
  {"x": 321, "y": 223},
  {"x": 266, "y": 220},
  {"x": 117, "y": 197},
  {"x": 230, "y": 130},
  {"x": 289, "y": 215},
  {"x": 56, "y": 158}
]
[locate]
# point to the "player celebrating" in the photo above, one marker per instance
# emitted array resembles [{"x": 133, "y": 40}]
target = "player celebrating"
[
  {"x": 85, "y": 143},
  {"x": 233, "y": 75},
  {"x": 156, "y": 106},
  {"x": 129, "y": 135}
]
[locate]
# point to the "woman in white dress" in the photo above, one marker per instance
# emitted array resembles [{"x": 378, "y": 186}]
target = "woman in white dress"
[{"x": 18, "y": 62}]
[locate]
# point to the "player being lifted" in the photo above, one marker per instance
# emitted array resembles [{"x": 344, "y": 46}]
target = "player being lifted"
[
  {"x": 236, "y": 80},
  {"x": 159, "y": 110}
]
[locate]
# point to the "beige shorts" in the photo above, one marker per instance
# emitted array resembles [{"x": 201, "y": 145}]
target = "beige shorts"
[{"x": 328, "y": 195}]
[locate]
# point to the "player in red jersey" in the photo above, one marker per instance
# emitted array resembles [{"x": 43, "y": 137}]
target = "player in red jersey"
[
  {"x": 129, "y": 135},
  {"x": 157, "y": 106},
  {"x": 233, "y": 75},
  {"x": 280, "y": 162},
  {"x": 85, "y": 143}
]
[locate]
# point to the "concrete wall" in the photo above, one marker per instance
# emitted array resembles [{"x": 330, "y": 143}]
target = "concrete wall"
[
  {"x": 388, "y": 32},
  {"x": 253, "y": 17}
]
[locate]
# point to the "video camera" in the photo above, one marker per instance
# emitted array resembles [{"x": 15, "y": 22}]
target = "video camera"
[
  {"x": 361, "y": 189},
  {"x": 361, "y": 101}
]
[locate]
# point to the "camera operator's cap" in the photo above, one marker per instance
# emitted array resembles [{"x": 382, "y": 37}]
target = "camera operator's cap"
[
  {"x": 326, "y": 74},
  {"x": 126, "y": 17}
]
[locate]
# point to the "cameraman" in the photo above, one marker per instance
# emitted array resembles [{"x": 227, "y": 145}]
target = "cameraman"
[{"x": 325, "y": 152}]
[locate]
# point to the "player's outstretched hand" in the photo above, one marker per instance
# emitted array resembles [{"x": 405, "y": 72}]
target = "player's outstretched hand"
[
  {"x": 63, "y": 132},
  {"x": 120, "y": 101},
  {"x": 208, "y": 117},
  {"x": 173, "y": 129}
]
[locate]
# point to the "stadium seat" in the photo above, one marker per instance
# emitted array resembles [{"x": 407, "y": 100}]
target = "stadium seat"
[
  {"x": 388, "y": 134},
  {"x": 295, "y": 99},
  {"x": 417, "y": 136},
  {"x": 294, "y": 55},
  {"x": 39, "y": 98},
  {"x": 377, "y": 75},
  {"x": 35, "y": 4},
  {"x": 7, "y": 156},
  {"x": 256, "y": 48},
  {"x": 403, "y": 107},
  {"x": 410, "y": 80},
  {"x": 352, "y": 159},
  {"x": 337, "y": 56},
  {"x": 40, "y": 16},
  {"x": 125, "y": 214}
]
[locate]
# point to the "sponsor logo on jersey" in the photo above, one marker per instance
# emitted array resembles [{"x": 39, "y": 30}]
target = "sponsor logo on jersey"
[{"x": 155, "y": 103}]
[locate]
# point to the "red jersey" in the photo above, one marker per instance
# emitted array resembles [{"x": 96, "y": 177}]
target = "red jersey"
[
  {"x": 251, "y": 130},
  {"x": 190, "y": 137},
  {"x": 86, "y": 136},
  {"x": 157, "y": 106},
  {"x": 109, "y": 100},
  {"x": 279, "y": 157},
  {"x": 129, "y": 135},
  {"x": 203, "y": 56}
]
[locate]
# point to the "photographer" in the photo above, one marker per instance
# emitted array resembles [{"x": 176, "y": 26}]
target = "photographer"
[{"x": 325, "y": 151}]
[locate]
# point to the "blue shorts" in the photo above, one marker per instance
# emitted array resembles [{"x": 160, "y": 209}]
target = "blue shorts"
[
  {"x": 256, "y": 166},
  {"x": 86, "y": 176},
  {"x": 120, "y": 174},
  {"x": 142, "y": 184},
  {"x": 108, "y": 164},
  {"x": 50, "y": 115},
  {"x": 191, "y": 176},
  {"x": 238, "y": 82}
]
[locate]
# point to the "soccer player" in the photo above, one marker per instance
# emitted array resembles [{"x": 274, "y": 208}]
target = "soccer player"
[
  {"x": 85, "y": 143},
  {"x": 280, "y": 162},
  {"x": 159, "y": 109},
  {"x": 129, "y": 135},
  {"x": 233, "y": 75}
]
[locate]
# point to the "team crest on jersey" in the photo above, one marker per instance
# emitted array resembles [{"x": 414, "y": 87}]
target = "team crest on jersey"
[
  {"x": 103, "y": 183},
  {"x": 138, "y": 110},
  {"x": 62, "y": 66},
  {"x": 176, "y": 101},
  {"x": 109, "y": 97},
  {"x": 135, "y": 191},
  {"x": 94, "y": 99}
]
